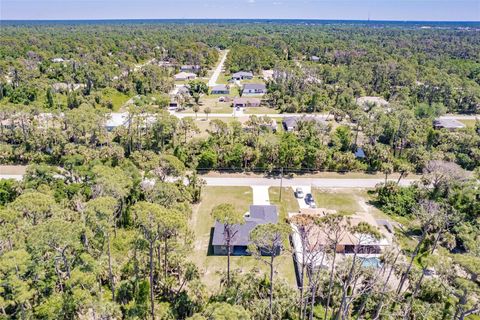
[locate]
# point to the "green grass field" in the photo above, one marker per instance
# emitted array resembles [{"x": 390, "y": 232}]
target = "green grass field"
[
  {"x": 340, "y": 201},
  {"x": 261, "y": 110},
  {"x": 202, "y": 224},
  {"x": 288, "y": 204},
  {"x": 469, "y": 123}
]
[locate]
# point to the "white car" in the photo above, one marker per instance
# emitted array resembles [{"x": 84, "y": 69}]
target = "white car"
[{"x": 299, "y": 193}]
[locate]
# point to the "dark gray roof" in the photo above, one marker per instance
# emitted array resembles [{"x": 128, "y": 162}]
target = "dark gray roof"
[
  {"x": 259, "y": 214},
  {"x": 254, "y": 86},
  {"x": 291, "y": 122},
  {"x": 448, "y": 123},
  {"x": 242, "y": 74},
  {"x": 220, "y": 87}
]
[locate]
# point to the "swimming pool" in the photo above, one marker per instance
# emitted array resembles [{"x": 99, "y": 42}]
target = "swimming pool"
[{"x": 371, "y": 262}]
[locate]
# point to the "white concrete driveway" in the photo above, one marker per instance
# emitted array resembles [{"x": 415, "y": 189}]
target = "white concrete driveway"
[
  {"x": 301, "y": 201},
  {"x": 260, "y": 195}
]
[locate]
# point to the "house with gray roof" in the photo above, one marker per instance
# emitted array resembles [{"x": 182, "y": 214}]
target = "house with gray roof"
[
  {"x": 257, "y": 215},
  {"x": 242, "y": 75},
  {"x": 246, "y": 102},
  {"x": 447, "y": 123},
  {"x": 291, "y": 123},
  {"x": 220, "y": 89},
  {"x": 254, "y": 88},
  {"x": 190, "y": 68}
]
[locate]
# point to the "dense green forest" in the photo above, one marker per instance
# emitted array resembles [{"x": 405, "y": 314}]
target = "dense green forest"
[{"x": 100, "y": 226}]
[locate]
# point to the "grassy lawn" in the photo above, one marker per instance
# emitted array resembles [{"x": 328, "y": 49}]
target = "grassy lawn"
[
  {"x": 222, "y": 78},
  {"x": 213, "y": 104},
  {"x": 202, "y": 223},
  {"x": 118, "y": 99},
  {"x": 334, "y": 199},
  {"x": 256, "y": 79},
  {"x": 261, "y": 110},
  {"x": 289, "y": 202},
  {"x": 469, "y": 123}
]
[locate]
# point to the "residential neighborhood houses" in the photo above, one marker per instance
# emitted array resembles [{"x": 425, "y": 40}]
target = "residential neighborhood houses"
[
  {"x": 190, "y": 68},
  {"x": 242, "y": 75},
  {"x": 310, "y": 240},
  {"x": 254, "y": 89},
  {"x": 184, "y": 76},
  {"x": 291, "y": 123},
  {"x": 220, "y": 89},
  {"x": 246, "y": 102}
]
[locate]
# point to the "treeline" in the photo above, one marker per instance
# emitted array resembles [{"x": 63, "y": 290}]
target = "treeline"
[
  {"x": 51, "y": 66},
  {"x": 394, "y": 141}
]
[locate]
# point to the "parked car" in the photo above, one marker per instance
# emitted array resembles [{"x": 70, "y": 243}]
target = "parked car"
[
  {"x": 299, "y": 193},
  {"x": 309, "y": 198},
  {"x": 310, "y": 201}
]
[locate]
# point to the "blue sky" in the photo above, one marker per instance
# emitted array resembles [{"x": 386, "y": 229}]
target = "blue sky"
[{"x": 445, "y": 10}]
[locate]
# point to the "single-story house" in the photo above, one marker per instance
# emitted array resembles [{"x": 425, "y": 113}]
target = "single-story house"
[
  {"x": 242, "y": 75},
  {"x": 258, "y": 214},
  {"x": 116, "y": 120},
  {"x": 449, "y": 124},
  {"x": 366, "y": 102},
  {"x": 246, "y": 102},
  {"x": 349, "y": 243},
  {"x": 220, "y": 89},
  {"x": 291, "y": 123},
  {"x": 190, "y": 68},
  {"x": 314, "y": 59},
  {"x": 254, "y": 88},
  {"x": 183, "y": 76}
]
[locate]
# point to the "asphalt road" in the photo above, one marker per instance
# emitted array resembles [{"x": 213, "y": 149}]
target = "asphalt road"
[
  {"x": 275, "y": 182},
  {"x": 286, "y": 182}
]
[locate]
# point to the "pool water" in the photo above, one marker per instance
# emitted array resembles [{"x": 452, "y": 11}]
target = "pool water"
[{"x": 371, "y": 263}]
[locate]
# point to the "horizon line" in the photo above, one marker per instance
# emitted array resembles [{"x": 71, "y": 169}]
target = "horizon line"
[{"x": 232, "y": 19}]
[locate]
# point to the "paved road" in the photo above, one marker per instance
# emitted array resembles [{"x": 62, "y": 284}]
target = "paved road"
[
  {"x": 216, "y": 73},
  {"x": 275, "y": 182},
  {"x": 313, "y": 182}
]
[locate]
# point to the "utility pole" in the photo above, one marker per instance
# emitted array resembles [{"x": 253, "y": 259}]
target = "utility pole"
[{"x": 281, "y": 184}]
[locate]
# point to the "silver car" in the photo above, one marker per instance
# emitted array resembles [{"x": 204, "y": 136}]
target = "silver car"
[{"x": 299, "y": 193}]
